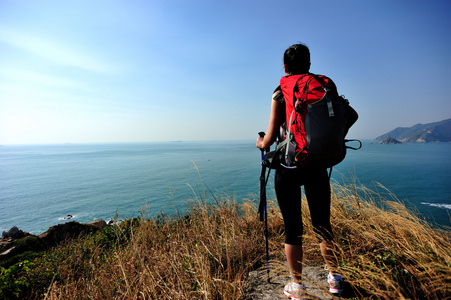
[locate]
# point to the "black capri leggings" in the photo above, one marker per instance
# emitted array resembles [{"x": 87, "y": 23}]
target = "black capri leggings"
[{"x": 288, "y": 184}]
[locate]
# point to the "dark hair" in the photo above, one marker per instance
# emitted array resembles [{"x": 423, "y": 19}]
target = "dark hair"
[{"x": 297, "y": 59}]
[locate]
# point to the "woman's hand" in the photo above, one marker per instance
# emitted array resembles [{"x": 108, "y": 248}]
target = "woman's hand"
[{"x": 259, "y": 143}]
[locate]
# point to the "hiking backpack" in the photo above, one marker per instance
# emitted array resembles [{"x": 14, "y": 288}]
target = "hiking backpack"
[{"x": 317, "y": 120}]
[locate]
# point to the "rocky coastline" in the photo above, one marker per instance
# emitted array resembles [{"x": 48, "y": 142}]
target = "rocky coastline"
[
  {"x": 390, "y": 140},
  {"x": 16, "y": 243}
]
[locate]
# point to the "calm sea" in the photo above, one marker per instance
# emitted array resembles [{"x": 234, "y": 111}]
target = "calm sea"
[{"x": 42, "y": 184}]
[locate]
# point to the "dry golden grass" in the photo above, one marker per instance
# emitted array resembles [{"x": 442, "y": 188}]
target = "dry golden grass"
[
  {"x": 385, "y": 251},
  {"x": 205, "y": 254}
]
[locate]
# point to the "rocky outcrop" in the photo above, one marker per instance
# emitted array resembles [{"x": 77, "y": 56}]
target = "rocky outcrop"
[
  {"x": 14, "y": 233},
  {"x": 390, "y": 140},
  {"x": 61, "y": 232},
  {"x": 15, "y": 241}
]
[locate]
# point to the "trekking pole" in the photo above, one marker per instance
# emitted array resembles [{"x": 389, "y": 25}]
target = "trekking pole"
[{"x": 262, "y": 207}]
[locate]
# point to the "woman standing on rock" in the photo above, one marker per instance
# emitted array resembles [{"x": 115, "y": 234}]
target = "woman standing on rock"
[{"x": 288, "y": 182}]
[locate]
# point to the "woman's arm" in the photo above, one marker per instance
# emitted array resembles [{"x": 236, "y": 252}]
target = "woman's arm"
[{"x": 273, "y": 126}]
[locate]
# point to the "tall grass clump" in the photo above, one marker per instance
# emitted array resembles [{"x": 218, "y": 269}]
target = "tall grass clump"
[{"x": 386, "y": 250}]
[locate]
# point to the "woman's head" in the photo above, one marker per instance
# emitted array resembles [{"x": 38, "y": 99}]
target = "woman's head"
[{"x": 297, "y": 59}]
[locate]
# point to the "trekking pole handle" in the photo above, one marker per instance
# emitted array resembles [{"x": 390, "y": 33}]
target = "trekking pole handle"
[{"x": 262, "y": 135}]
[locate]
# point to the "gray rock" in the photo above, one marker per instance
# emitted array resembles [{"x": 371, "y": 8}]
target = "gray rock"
[
  {"x": 11, "y": 233},
  {"x": 99, "y": 224}
]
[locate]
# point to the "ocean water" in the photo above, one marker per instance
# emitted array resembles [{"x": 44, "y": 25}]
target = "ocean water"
[{"x": 42, "y": 184}]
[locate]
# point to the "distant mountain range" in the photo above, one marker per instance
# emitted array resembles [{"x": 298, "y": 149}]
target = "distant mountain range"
[{"x": 421, "y": 133}]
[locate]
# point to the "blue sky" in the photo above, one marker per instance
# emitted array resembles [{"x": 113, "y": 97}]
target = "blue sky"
[{"x": 138, "y": 71}]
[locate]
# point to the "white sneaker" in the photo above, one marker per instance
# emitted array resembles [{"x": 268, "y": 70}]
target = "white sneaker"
[
  {"x": 336, "y": 284},
  {"x": 295, "y": 291}
]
